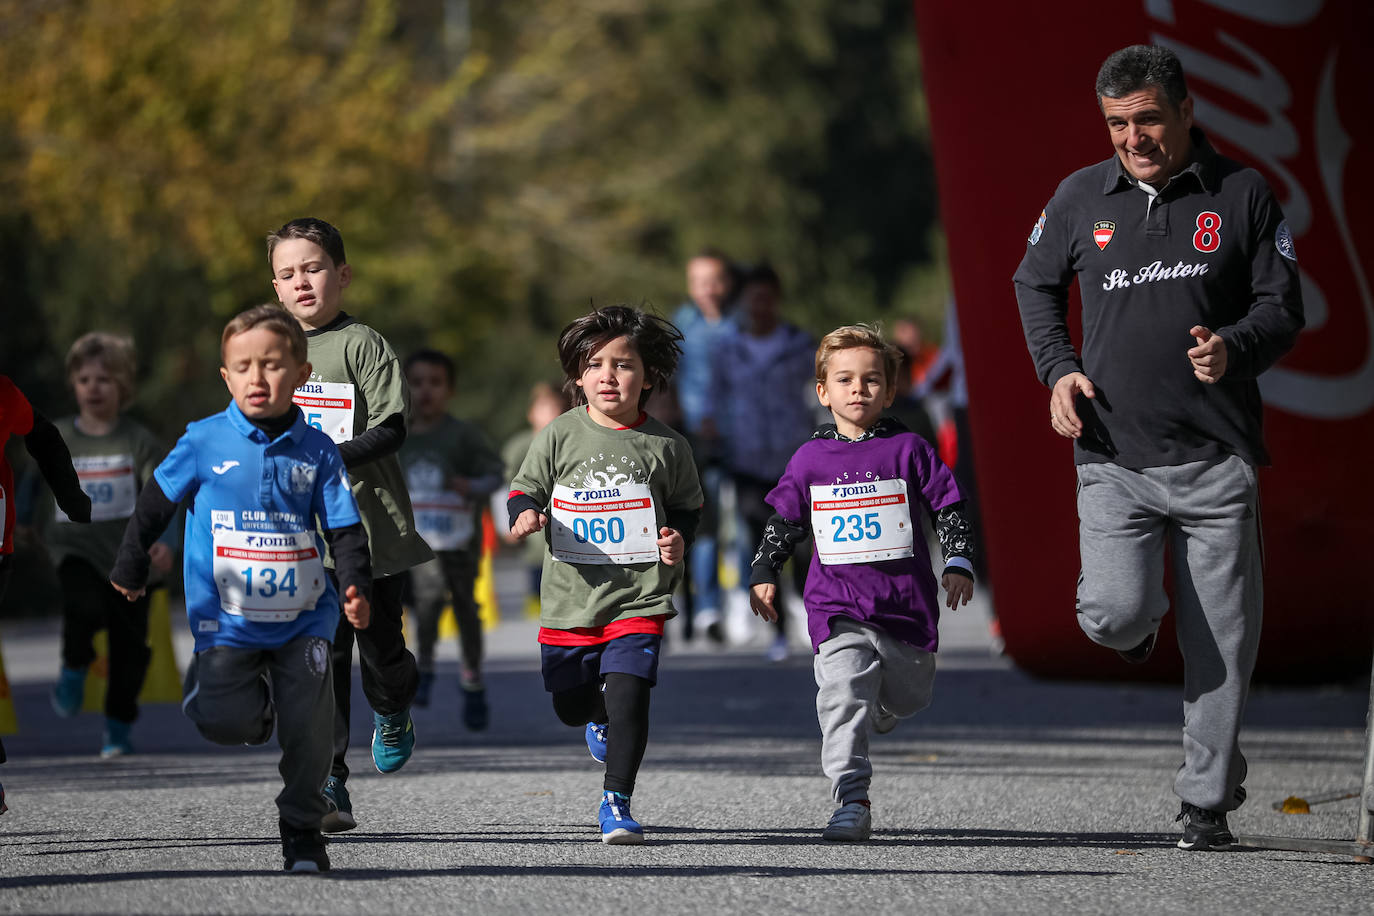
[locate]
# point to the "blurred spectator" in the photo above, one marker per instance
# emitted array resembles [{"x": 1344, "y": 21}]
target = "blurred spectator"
[
  {"x": 920, "y": 352},
  {"x": 546, "y": 402},
  {"x": 773, "y": 362},
  {"x": 947, "y": 371},
  {"x": 706, "y": 323}
]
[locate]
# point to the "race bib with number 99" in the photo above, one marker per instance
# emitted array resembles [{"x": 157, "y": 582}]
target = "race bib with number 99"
[{"x": 110, "y": 483}]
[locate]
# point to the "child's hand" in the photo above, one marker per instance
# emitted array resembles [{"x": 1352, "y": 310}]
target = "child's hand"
[
  {"x": 356, "y": 608},
  {"x": 133, "y": 594},
  {"x": 527, "y": 523},
  {"x": 761, "y": 599},
  {"x": 670, "y": 546},
  {"x": 160, "y": 558},
  {"x": 958, "y": 590}
]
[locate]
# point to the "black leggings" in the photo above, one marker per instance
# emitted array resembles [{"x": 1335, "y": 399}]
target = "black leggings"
[{"x": 625, "y": 706}]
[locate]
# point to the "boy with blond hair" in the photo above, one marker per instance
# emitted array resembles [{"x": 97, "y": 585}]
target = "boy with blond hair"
[{"x": 871, "y": 604}]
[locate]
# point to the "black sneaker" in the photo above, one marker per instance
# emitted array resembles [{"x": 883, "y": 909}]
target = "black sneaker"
[
  {"x": 303, "y": 849},
  {"x": 476, "y": 713},
  {"x": 1137, "y": 655},
  {"x": 1203, "y": 830}
]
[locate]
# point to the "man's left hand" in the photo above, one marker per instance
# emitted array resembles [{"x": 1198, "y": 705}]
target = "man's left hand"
[{"x": 1209, "y": 356}]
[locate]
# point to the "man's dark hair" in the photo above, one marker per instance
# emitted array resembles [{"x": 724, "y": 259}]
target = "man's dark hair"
[
  {"x": 1142, "y": 67},
  {"x": 434, "y": 358},
  {"x": 314, "y": 230},
  {"x": 763, "y": 274},
  {"x": 655, "y": 339}
]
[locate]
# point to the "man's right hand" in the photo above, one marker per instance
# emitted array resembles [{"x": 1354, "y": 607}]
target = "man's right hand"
[
  {"x": 527, "y": 523},
  {"x": 1063, "y": 415}
]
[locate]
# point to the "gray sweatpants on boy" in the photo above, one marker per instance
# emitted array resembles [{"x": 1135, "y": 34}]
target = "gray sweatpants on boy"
[
  {"x": 1208, "y": 514},
  {"x": 858, "y": 669},
  {"x": 228, "y": 698}
]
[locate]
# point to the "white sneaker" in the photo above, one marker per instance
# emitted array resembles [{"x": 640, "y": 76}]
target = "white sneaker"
[
  {"x": 851, "y": 823},
  {"x": 740, "y": 622}
]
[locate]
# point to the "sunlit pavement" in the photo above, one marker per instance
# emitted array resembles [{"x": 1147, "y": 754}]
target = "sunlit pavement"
[{"x": 1007, "y": 795}]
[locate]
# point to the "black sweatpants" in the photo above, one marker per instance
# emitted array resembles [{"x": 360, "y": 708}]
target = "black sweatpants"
[
  {"x": 227, "y": 697},
  {"x": 90, "y": 604},
  {"x": 390, "y": 675}
]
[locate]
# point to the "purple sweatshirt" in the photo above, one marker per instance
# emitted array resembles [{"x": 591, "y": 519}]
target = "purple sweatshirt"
[{"x": 897, "y": 596}]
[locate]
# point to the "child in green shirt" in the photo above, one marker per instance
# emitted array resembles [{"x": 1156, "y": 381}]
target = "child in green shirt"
[
  {"x": 450, "y": 469},
  {"x": 114, "y": 457},
  {"x": 357, "y": 394},
  {"x": 617, "y": 495}
]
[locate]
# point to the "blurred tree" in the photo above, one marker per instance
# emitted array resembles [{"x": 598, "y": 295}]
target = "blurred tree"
[{"x": 495, "y": 166}]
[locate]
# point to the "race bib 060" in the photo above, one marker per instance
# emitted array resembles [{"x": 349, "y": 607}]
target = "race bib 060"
[
  {"x": 110, "y": 483},
  {"x": 267, "y": 578},
  {"x": 861, "y": 523},
  {"x": 328, "y": 406},
  {"x": 610, "y": 525}
]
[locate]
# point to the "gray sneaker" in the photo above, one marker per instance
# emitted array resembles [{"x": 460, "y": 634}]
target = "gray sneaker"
[
  {"x": 851, "y": 823},
  {"x": 883, "y": 721}
]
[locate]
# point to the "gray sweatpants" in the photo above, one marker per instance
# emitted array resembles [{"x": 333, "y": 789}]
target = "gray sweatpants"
[
  {"x": 858, "y": 669},
  {"x": 228, "y": 699},
  {"x": 1208, "y": 514}
]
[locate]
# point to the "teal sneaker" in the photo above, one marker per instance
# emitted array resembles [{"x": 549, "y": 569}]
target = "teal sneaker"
[
  {"x": 618, "y": 828},
  {"x": 340, "y": 815},
  {"x": 70, "y": 692},
  {"x": 393, "y": 739},
  {"x": 117, "y": 742}
]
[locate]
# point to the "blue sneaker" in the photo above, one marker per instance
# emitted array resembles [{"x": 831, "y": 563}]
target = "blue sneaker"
[
  {"x": 340, "y": 815},
  {"x": 393, "y": 739},
  {"x": 618, "y": 828},
  {"x": 117, "y": 742},
  {"x": 596, "y": 741},
  {"x": 70, "y": 692}
]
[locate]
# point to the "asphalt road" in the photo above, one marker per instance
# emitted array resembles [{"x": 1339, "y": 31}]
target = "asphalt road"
[{"x": 1008, "y": 795}]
